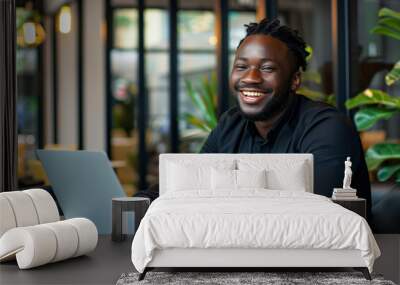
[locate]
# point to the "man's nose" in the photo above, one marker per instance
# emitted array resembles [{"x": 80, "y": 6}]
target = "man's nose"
[{"x": 252, "y": 76}]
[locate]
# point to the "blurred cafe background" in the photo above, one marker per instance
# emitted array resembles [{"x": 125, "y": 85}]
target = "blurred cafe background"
[{"x": 140, "y": 78}]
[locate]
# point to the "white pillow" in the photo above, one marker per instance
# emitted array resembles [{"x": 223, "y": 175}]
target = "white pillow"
[
  {"x": 192, "y": 172},
  {"x": 226, "y": 179},
  {"x": 281, "y": 175},
  {"x": 251, "y": 178},
  {"x": 188, "y": 177},
  {"x": 223, "y": 179},
  {"x": 186, "y": 174},
  {"x": 294, "y": 179}
]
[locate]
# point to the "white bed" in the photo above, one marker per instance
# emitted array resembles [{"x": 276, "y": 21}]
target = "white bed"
[{"x": 201, "y": 220}]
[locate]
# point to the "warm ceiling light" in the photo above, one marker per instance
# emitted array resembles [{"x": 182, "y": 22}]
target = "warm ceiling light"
[
  {"x": 212, "y": 40},
  {"x": 65, "y": 20},
  {"x": 29, "y": 32}
]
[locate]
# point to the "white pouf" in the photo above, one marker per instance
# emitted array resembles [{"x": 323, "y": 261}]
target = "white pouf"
[{"x": 31, "y": 232}]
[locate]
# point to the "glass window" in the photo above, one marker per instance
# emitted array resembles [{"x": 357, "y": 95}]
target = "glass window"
[
  {"x": 124, "y": 70},
  {"x": 27, "y": 106},
  {"x": 196, "y": 30},
  {"x": 312, "y": 18},
  {"x": 197, "y": 63},
  {"x": 237, "y": 30},
  {"x": 124, "y": 135},
  {"x": 125, "y": 28},
  {"x": 156, "y": 29},
  {"x": 157, "y": 88}
]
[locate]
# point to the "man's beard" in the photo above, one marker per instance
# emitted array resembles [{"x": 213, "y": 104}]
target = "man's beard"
[{"x": 276, "y": 104}]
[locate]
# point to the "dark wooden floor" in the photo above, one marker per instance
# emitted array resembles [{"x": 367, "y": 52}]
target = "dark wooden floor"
[
  {"x": 110, "y": 259},
  {"x": 102, "y": 266}
]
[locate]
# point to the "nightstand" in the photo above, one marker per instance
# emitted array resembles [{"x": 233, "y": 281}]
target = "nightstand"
[{"x": 358, "y": 206}]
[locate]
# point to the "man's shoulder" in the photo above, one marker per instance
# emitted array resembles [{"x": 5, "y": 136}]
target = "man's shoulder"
[
  {"x": 310, "y": 111},
  {"x": 316, "y": 117},
  {"x": 311, "y": 106},
  {"x": 223, "y": 137}
]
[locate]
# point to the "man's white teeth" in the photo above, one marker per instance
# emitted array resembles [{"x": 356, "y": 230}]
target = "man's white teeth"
[{"x": 252, "y": 93}]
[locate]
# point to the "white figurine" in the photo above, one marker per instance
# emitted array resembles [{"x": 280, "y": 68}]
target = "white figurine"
[
  {"x": 345, "y": 193},
  {"x": 347, "y": 174}
]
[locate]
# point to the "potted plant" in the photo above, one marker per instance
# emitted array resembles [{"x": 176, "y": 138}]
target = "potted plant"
[
  {"x": 313, "y": 78},
  {"x": 375, "y": 105},
  {"x": 204, "y": 119}
]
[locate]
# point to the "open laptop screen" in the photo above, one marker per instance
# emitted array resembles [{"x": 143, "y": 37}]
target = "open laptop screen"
[{"x": 84, "y": 184}]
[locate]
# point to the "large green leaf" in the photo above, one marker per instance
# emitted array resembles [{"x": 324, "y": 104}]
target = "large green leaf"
[
  {"x": 386, "y": 12},
  {"x": 214, "y": 86},
  {"x": 388, "y": 153},
  {"x": 196, "y": 122},
  {"x": 204, "y": 99},
  {"x": 390, "y": 23},
  {"x": 208, "y": 94},
  {"x": 388, "y": 171},
  {"x": 309, "y": 49},
  {"x": 198, "y": 102},
  {"x": 331, "y": 99},
  {"x": 379, "y": 153},
  {"x": 195, "y": 97},
  {"x": 367, "y": 117},
  {"x": 394, "y": 75},
  {"x": 373, "y": 97},
  {"x": 383, "y": 30}
]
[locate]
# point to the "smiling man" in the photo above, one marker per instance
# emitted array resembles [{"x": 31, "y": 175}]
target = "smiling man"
[{"x": 272, "y": 118}]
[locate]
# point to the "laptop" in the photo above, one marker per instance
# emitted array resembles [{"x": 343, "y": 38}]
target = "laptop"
[{"x": 84, "y": 183}]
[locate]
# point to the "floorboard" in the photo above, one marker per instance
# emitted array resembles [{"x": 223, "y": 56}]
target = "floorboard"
[{"x": 102, "y": 266}]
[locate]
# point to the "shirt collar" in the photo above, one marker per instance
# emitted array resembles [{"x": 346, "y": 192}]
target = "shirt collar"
[{"x": 277, "y": 126}]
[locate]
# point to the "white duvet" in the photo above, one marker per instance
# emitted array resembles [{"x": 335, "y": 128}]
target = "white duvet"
[{"x": 252, "y": 218}]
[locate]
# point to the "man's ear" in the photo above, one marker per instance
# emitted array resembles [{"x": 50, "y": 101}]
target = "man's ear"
[{"x": 296, "y": 81}]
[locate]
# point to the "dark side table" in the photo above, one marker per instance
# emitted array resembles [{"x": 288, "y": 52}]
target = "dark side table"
[
  {"x": 358, "y": 205},
  {"x": 138, "y": 205}
]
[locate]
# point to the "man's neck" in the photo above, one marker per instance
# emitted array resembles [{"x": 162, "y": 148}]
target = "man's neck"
[{"x": 264, "y": 127}]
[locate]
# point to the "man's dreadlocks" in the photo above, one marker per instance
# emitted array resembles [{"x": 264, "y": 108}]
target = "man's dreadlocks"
[{"x": 290, "y": 37}]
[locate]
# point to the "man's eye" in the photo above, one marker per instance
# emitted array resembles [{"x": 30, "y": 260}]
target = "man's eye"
[
  {"x": 267, "y": 68},
  {"x": 240, "y": 67}
]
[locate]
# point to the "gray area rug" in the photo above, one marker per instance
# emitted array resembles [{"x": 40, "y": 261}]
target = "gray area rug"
[{"x": 225, "y": 278}]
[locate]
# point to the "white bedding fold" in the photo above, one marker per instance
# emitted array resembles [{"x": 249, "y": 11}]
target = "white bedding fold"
[{"x": 251, "y": 218}]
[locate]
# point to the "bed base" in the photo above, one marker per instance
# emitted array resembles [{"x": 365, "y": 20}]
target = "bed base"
[
  {"x": 242, "y": 259},
  {"x": 363, "y": 270}
]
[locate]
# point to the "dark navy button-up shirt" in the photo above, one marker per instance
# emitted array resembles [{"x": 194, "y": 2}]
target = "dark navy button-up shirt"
[{"x": 305, "y": 127}]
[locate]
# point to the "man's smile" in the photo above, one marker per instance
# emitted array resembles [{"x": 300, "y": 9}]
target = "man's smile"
[{"x": 252, "y": 96}]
